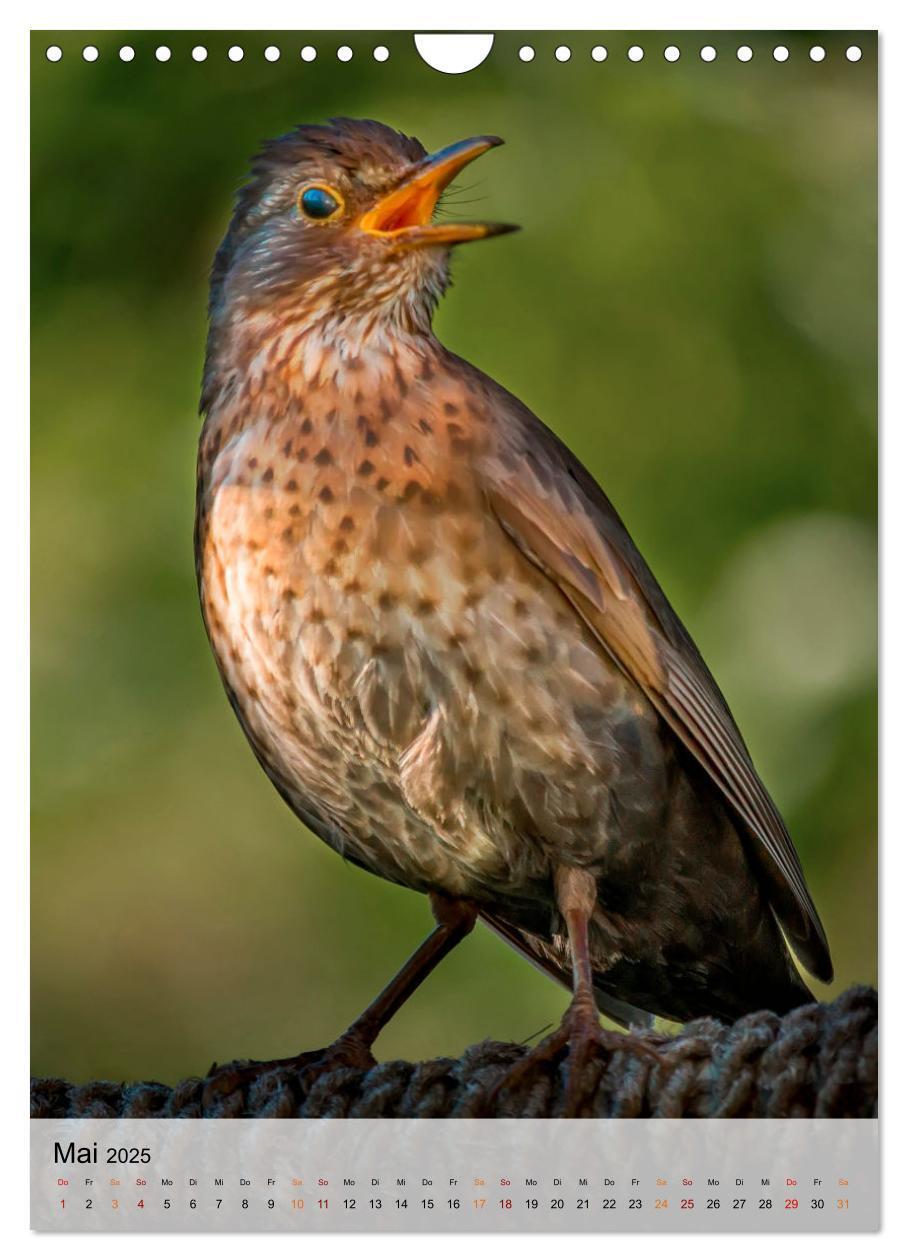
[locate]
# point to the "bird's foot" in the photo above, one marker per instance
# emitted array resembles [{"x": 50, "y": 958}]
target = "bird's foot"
[
  {"x": 577, "y": 1042},
  {"x": 348, "y": 1051}
]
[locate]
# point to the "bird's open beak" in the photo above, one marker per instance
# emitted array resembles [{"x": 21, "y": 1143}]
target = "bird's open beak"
[{"x": 404, "y": 215}]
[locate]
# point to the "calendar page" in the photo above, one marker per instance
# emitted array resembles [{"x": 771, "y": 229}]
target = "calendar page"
[{"x": 454, "y": 631}]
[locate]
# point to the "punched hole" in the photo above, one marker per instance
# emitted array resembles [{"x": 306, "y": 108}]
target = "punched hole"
[
  {"x": 562, "y": 53},
  {"x": 89, "y": 53},
  {"x": 199, "y": 53},
  {"x": 853, "y": 53},
  {"x": 308, "y": 53},
  {"x": 745, "y": 53},
  {"x": 162, "y": 53},
  {"x": 526, "y": 53},
  {"x": 454, "y": 54},
  {"x": 780, "y": 53},
  {"x": 272, "y": 53},
  {"x": 599, "y": 53},
  {"x": 53, "y": 53},
  {"x": 672, "y": 53},
  {"x": 635, "y": 53}
]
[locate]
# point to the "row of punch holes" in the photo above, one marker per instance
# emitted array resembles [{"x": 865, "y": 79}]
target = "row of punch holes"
[{"x": 526, "y": 53}]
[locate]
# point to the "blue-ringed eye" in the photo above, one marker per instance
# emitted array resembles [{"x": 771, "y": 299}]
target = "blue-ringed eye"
[{"x": 317, "y": 202}]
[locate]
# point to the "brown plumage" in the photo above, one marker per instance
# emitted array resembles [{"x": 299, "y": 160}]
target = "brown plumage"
[{"x": 440, "y": 640}]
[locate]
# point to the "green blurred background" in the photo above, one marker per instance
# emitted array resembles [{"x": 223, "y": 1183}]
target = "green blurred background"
[{"x": 692, "y": 306}]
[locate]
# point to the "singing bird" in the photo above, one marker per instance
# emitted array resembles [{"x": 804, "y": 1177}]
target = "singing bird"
[{"x": 439, "y": 638}]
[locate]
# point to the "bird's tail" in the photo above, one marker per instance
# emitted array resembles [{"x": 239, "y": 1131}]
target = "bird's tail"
[{"x": 780, "y": 989}]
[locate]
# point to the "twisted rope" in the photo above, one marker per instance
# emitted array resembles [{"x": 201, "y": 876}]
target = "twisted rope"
[{"x": 820, "y": 1061}]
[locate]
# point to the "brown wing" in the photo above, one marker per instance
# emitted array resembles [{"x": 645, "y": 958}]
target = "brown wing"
[{"x": 556, "y": 514}]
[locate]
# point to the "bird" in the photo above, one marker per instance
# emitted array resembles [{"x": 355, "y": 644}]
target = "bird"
[{"x": 440, "y": 640}]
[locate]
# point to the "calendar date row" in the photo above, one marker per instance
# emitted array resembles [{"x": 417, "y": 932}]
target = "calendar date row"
[{"x": 532, "y": 1204}]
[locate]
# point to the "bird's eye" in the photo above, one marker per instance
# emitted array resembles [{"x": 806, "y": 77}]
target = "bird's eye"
[{"x": 317, "y": 202}]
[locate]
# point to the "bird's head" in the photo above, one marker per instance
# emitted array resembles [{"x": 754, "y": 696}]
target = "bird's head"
[{"x": 337, "y": 223}]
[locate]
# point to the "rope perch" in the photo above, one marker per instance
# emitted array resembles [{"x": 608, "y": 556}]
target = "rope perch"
[{"x": 819, "y": 1061}]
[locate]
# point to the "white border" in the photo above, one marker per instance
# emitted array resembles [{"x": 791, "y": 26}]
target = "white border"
[
  {"x": 447, "y": 15},
  {"x": 454, "y": 15}
]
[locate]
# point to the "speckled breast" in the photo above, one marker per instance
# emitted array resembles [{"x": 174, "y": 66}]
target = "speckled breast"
[{"x": 393, "y": 659}]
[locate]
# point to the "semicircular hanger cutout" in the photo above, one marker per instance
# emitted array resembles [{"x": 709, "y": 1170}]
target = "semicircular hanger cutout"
[{"x": 454, "y": 54}]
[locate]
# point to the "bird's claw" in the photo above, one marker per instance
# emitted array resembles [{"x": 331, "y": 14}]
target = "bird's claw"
[
  {"x": 577, "y": 1041},
  {"x": 301, "y": 1069}
]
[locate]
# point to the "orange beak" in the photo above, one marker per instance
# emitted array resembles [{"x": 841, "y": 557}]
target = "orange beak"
[{"x": 404, "y": 215}]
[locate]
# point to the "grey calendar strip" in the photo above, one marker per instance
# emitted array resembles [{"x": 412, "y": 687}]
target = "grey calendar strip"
[{"x": 470, "y": 1175}]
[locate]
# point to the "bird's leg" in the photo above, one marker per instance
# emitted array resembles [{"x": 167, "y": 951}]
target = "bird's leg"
[
  {"x": 575, "y": 896},
  {"x": 454, "y": 920},
  {"x": 580, "y": 1033}
]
